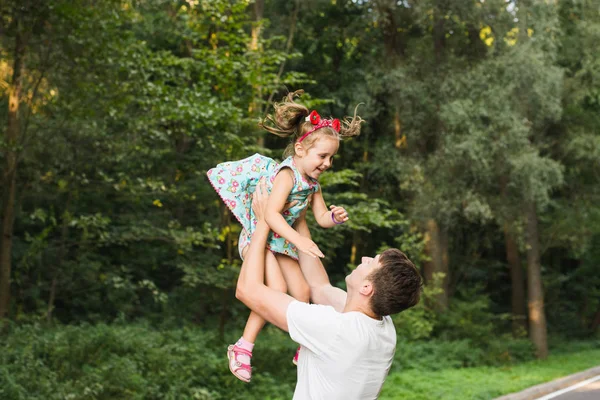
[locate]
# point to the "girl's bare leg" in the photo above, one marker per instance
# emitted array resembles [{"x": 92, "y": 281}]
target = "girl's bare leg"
[{"x": 296, "y": 284}]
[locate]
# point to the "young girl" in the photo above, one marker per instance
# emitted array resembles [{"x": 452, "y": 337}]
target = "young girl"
[{"x": 315, "y": 142}]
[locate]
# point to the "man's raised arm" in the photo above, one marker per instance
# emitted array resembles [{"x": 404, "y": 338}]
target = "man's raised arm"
[
  {"x": 251, "y": 290},
  {"x": 321, "y": 290}
]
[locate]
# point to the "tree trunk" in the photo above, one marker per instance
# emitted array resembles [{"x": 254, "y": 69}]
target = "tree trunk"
[
  {"x": 288, "y": 49},
  {"x": 596, "y": 321},
  {"x": 537, "y": 317},
  {"x": 10, "y": 174},
  {"x": 52, "y": 295},
  {"x": 230, "y": 246},
  {"x": 444, "y": 268},
  {"x": 519, "y": 321},
  {"x": 393, "y": 38},
  {"x": 254, "y": 107},
  {"x": 439, "y": 31},
  {"x": 431, "y": 249},
  {"x": 394, "y": 44},
  {"x": 259, "y": 6},
  {"x": 362, "y": 188},
  {"x": 436, "y": 247},
  {"x": 64, "y": 230},
  {"x": 354, "y": 248},
  {"x": 400, "y": 138},
  {"x": 225, "y": 295}
]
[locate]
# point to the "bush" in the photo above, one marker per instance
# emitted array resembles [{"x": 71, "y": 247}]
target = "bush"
[
  {"x": 139, "y": 361},
  {"x": 436, "y": 355},
  {"x": 135, "y": 362}
]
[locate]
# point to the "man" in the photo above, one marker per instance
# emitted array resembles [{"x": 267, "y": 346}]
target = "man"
[{"x": 348, "y": 339}]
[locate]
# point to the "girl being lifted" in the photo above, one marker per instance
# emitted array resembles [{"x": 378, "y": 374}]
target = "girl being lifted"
[{"x": 315, "y": 141}]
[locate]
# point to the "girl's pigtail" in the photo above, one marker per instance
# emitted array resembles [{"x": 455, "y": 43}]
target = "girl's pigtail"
[
  {"x": 351, "y": 126},
  {"x": 287, "y": 118}
]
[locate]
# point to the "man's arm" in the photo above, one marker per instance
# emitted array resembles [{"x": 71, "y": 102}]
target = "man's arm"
[
  {"x": 251, "y": 290},
  {"x": 321, "y": 290}
]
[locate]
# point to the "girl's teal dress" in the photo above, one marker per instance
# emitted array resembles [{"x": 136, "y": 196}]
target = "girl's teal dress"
[{"x": 235, "y": 181}]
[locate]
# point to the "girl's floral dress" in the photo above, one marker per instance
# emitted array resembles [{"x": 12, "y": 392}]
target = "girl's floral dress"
[{"x": 235, "y": 181}]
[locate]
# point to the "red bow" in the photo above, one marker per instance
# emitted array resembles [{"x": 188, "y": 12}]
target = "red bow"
[
  {"x": 314, "y": 117},
  {"x": 316, "y": 120},
  {"x": 335, "y": 124}
]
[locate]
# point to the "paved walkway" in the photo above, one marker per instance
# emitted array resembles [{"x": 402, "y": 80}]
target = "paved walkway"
[
  {"x": 586, "y": 390},
  {"x": 584, "y": 385}
]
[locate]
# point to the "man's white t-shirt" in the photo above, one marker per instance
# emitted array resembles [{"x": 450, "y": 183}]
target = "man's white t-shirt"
[{"x": 343, "y": 355}]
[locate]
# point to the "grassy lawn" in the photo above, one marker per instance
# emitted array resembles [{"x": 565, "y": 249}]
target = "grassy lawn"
[{"x": 485, "y": 382}]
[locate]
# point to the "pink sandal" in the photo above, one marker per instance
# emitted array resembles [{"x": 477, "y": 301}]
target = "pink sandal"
[
  {"x": 295, "y": 359},
  {"x": 235, "y": 366}
]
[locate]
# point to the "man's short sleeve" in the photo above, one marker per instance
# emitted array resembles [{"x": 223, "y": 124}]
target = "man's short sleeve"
[{"x": 312, "y": 326}]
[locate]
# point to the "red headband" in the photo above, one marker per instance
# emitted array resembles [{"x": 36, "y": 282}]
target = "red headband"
[{"x": 319, "y": 123}]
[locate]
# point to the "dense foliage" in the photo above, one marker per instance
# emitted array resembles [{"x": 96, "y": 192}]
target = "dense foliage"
[{"x": 480, "y": 159}]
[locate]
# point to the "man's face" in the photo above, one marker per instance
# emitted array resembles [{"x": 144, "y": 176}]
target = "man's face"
[{"x": 366, "y": 267}]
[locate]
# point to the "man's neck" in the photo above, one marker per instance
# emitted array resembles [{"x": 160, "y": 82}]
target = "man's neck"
[{"x": 361, "y": 307}]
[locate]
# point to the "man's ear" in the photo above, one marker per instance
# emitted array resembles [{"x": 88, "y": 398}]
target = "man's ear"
[
  {"x": 366, "y": 288},
  {"x": 299, "y": 149}
]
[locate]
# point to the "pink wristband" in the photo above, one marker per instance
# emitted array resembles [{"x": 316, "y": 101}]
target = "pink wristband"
[{"x": 334, "y": 221}]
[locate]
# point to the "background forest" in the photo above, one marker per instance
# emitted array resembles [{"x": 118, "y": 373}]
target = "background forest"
[{"x": 480, "y": 158}]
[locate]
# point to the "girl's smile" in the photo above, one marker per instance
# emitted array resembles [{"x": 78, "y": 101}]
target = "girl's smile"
[{"x": 318, "y": 158}]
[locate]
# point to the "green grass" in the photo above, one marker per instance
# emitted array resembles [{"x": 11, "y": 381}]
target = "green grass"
[{"x": 485, "y": 382}]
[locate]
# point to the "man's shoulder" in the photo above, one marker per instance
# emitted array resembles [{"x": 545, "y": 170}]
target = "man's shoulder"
[
  {"x": 312, "y": 325},
  {"x": 363, "y": 325},
  {"x": 311, "y": 316},
  {"x": 315, "y": 309}
]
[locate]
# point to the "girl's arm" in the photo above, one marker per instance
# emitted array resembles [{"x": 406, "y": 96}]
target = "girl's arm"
[
  {"x": 323, "y": 216},
  {"x": 282, "y": 186}
]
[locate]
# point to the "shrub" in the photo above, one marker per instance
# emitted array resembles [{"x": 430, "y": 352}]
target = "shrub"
[{"x": 135, "y": 362}]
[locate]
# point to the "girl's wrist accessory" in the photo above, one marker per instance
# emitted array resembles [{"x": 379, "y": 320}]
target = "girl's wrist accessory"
[{"x": 334, "y": 220}]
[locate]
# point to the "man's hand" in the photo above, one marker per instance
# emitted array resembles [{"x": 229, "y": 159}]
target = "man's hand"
[{"x": 260, "y": 198}]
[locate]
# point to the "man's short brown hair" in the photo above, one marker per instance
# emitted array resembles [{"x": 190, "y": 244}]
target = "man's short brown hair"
[{"x": 396, "y": 284}]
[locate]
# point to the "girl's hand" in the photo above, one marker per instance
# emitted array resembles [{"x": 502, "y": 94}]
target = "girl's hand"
[
  {"x": 340, "y": 215},
  {"x": 309, "y": 247}
]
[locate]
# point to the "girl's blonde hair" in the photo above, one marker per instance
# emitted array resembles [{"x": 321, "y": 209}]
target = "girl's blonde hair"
[{"x": 288, "y": 120}]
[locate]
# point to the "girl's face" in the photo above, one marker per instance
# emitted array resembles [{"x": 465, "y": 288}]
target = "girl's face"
[{"x": 317, "y": 159}]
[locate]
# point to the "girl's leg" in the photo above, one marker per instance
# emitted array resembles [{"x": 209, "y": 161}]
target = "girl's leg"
[
  {"x": 240, "y": 354},
  {"x": 297, "y": 286}
]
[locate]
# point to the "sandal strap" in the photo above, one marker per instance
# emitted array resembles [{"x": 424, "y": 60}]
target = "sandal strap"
[
  {"x": 239, "y": 350},
  {"x": 245, "y": 367}
]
